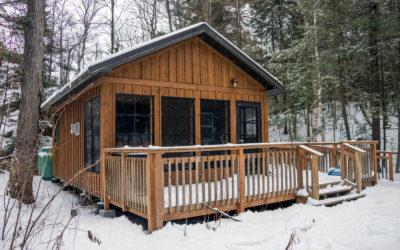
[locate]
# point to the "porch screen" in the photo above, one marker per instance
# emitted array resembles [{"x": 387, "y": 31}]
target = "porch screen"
[
  {"x": 92, "y": 133},
  {"x": 214, "y": 122},
  {"x": 177, "y": 121},
  {"x": 133, "y": 120}
]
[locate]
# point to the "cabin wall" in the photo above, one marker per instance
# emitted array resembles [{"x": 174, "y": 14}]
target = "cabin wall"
[
  {"x": 68, "y": 159},
  {"x": 190, "y": 69}
]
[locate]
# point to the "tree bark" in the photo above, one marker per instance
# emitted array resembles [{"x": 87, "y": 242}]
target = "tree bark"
[
  {"x": 316, "y": 82},
  {"x": 112, "y": 27},
  {"x": 238, "y": 25},
  {"x": 23, "y": 169},
  {"x": 168, "y": 8},
  {"x": 375, "y": 83}
]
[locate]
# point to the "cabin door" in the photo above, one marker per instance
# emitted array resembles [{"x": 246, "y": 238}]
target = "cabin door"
[{"x": 248, "y": 122}]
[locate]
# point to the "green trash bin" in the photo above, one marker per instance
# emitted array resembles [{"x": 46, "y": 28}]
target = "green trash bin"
[{"x": 44, "y": 167}]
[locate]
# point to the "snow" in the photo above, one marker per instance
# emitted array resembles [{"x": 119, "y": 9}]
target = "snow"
[
  {"x": 371, "y": 222},
  {"x": 231, "y": 184}
]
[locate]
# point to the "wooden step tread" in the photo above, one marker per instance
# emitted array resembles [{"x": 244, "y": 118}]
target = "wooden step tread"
[
  {"x": 336, "y": 200},
  {"x": 330, "y": 183},
  {"x": 334, "y": 190}
]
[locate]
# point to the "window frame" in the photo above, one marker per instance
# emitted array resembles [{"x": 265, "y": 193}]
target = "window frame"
[
  {"x": 151, "y": 115},
  {"x": 95, "y": 168},
  {"x": 193, "y": 117},
  {"x": 226, "y": 118},
  {"x": 244, "y": 104}
]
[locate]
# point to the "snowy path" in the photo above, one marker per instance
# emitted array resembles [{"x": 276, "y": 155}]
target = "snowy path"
[{"x": 372, "y": 222}]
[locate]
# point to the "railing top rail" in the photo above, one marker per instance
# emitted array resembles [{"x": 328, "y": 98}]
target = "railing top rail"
[
  {"x": 310, "y": 150},
  {"x": 360, "y": 142},
  {"x": 386, "y": 152},
  {"x": 198, "y": 148},
  {"x": 354, "y": 148}
]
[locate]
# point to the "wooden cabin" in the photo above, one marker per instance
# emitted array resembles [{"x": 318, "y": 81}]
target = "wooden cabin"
[{"x": 179, "y": 123}]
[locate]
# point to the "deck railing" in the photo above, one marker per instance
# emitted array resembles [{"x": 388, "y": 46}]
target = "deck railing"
[
  {"x": 385, "y": 164},
  {"x": 168, "y": 183}
]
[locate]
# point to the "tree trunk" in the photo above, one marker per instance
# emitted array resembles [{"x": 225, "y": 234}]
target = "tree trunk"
[
  {"x": 343, "y": 100},
  {"x": 316, "y": 82},
  {"x": 238, "y": 25},
  {"x": 308, "y": 110},
  {"x": 112, "y": 27},
  {"x": 374, "y": 84},
  {"x": 167, "y": 7},
  {"x": 23, "y": 169}
]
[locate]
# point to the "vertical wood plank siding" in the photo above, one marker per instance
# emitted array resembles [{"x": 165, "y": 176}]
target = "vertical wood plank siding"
[{"x": 190, "y": 69}]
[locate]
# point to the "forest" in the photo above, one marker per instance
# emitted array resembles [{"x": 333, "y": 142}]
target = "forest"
[{"x": 332, "y": 56}]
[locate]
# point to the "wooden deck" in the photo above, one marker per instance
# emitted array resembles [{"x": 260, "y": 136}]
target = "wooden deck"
[{"x": 158, "y": 185}]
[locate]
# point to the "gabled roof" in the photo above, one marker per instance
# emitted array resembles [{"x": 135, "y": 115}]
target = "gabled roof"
[{"x": 203, "y": 30}]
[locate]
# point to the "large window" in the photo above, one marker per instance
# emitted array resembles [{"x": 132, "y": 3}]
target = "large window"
[
  {"x": 249, "y": 122},
  {"x": 133, "y": 120},
  {"x": 177, "y": 121},
  {"x": 214, "y": 122},
  {"x": 92, "y": 133}
]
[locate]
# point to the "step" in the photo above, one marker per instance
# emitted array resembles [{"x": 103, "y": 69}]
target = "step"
[
  {"x": 336, "y": 200},
  {"x": 334, "y": 190},
  {"x": 331, "y": 183}
]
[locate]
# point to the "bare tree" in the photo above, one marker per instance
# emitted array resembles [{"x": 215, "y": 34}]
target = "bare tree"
[
  {"x": 168, "y": 9},
  {"x": 87, "y": 13},
  {"x": 21, "y": 175},
  {"x": 148, "y": 14}
]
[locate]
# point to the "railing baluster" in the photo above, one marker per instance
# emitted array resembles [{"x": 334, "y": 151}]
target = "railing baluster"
[
  {"x": 253, "y": 171},
  {"x": 215, "y": 182},
  {"x": 233, "y": 157},
  {"x": 259, "y": 175},
  {"x": 263, "y": 174},
  {"x": 176, "y": 185},
  {"x": 203, "y": 179},
  {"x": 190, "y": 183},
  {"x": 221, "y": 184},
  {"x": 197, "y": 182},
  {"x": 226, "y": 165},
  {"x": 183, "y": 185},
  {"x": 209, "y": 179},
  {"x": 169, "y": 186},
  {"x": 286, "y": 163},
  {"x": 273, "y": 162}
]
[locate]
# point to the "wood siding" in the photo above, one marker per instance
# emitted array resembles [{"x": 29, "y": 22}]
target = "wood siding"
[
  {"x": 190, "y": 69},
  {"x": 69, "y": 151}
]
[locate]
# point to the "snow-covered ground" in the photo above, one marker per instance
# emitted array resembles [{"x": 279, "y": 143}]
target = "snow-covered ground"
[
  {"x": 372, "y": 222},
  {"x": 359, "y": 129}
]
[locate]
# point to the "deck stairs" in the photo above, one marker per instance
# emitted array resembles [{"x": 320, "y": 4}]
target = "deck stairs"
[{"x": 336, "y": 192}]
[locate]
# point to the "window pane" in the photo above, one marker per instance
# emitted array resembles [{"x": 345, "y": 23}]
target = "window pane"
[
  {"x": 92, "y": 133},
  {"x": 177, "y": 121},
  {"x": 215, "y": 127},
  {"x": 133, "y": 121},
  {"x": 249, "y": 115}
]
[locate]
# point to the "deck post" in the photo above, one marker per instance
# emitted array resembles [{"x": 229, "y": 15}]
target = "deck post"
[
  {"x": 391, "y": 175},
  {"x": 122, "y": 183},
  {"x": 343, "y": 168},
  {"x": 103, "y": 180},
  {"x": 358, "y": 171},
  {"x": 375, "y": 161},
  {"x": 241, "y": 197},
  {"x": 299, "y": 166},
  {"x": 154, "y": 170},
  {"x": 334, "y": 163},
  {"x": 314, "y": 176}
]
